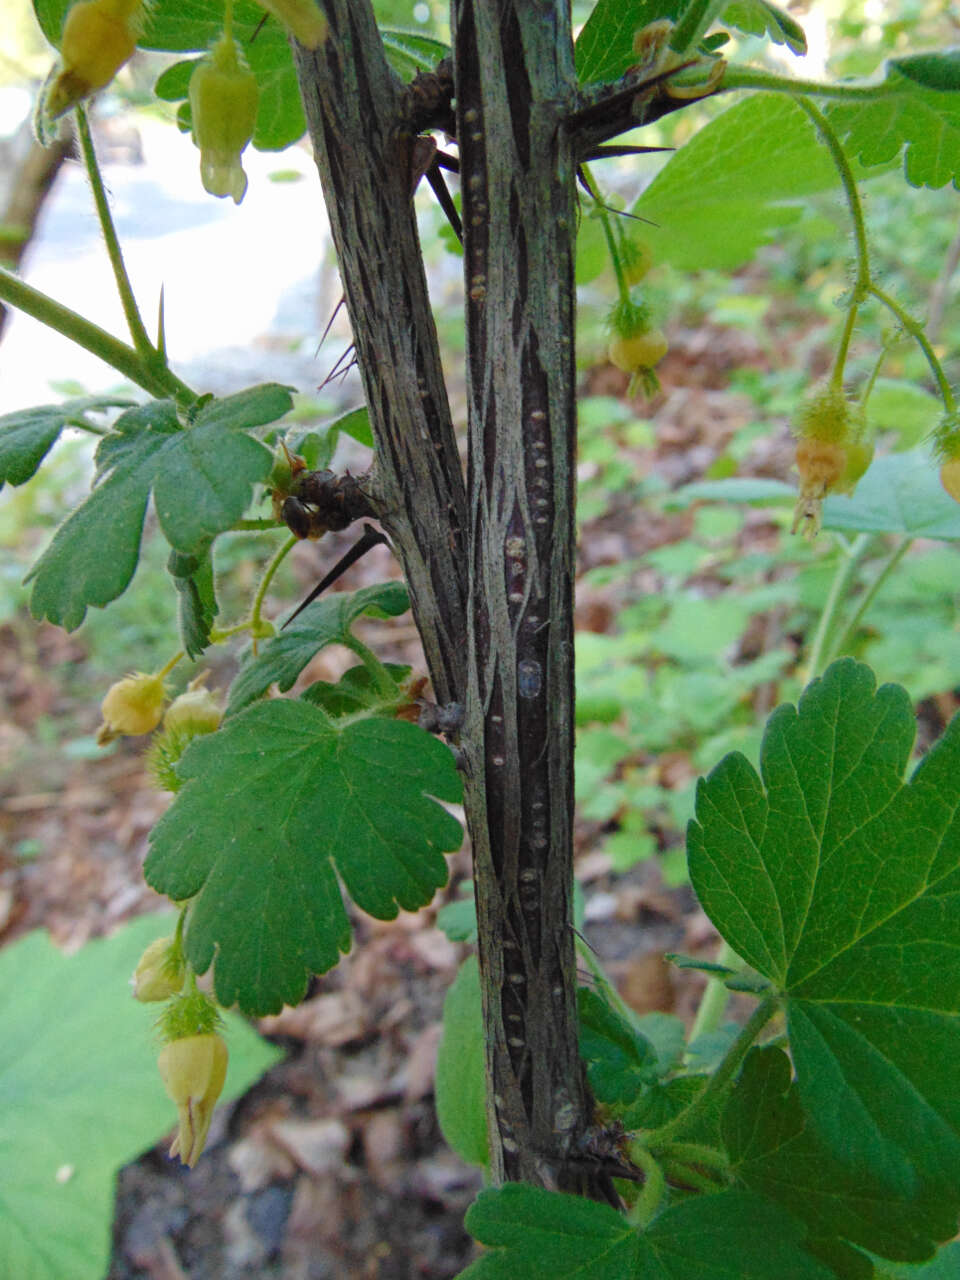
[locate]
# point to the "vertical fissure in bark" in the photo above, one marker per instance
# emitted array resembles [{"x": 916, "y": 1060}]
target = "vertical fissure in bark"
[
  {"x": 357, "y": 115},
  {"x": 514, "y": 77},
  {"x": 509, "y": 542}
]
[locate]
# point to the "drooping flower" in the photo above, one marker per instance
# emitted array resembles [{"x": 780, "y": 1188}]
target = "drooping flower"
[
  {"x": 223, "y": 101},
  {"x": 133, "y": 705},
  {"x": 99, "y": 36},
  {"x": 193, "y": 1070}
]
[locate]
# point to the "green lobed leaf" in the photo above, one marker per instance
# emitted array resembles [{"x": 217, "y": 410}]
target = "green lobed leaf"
[
  {"x": 461, "y": 1087},
  {"x": 914, "y": 112},
  {"x": 735, "y": 185},
  {"x": 326, "y": 621},
  {"x": 201, "y": 478},
  {"x": 620, "y": 1061},
  {"x": 81, "y": 1096},
  {"x": 531, "y": 1233},
  {"x": 275, "y": 807},
  {"x": 28, "y": 435},
  {"x": 841, "y": 884},
  {"x": 193, "y": 578},
  {"x": 775, "y": 1152}
]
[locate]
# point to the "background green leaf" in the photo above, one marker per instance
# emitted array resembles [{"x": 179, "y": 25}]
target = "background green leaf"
[
  {"x": 460, "y": 1086},
  {"x": 735, "y": 185},
  {"x": 325, "y": 621},
  {"x": 81, "y": 1095},
  {"x": 840, "y": 884},
  {"x": 28, "y": 435},
  {"x": 275, "y": 806},
  {"x": 201, "y": 478},
  {"x": 916, "y": 112}
]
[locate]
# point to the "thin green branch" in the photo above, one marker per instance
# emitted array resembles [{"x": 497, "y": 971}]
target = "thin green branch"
[
  {"x": 687, "y": 1176},
  {"x": 694, "y": 24},
  {"x": 141, "y": 341},
  {"x": 17, "y": 293},
  {"x": 265, "y": 581},
  {"x": 838, "y": 589},
  {"x": 623, "y": 289},
  {"x": 713, "y": 1003},
  {"x": 378, "y": 672},
  {"x": 256, "y": 524},
  {"x": 868, "y": 598},
  {"x": 654, "y": 1185},
  {"x": 915, "y": 330},
  {"x": 839, "y": 158}
]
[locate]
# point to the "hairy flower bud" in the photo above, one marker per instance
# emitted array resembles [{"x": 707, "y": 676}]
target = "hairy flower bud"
[
  {"x": 160, "y": 971},
  {"x": 133, "y": 705},
  {"x": 223, "y": 100},
  {"x": 193, "y": 1070},
  {"x": 302, "y": 17},
  {"x": 98, "y": 38},
  {"x": 194, "y": 712}
]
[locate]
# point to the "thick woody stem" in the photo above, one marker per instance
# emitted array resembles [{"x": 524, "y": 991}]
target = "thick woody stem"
[
  {"x": 514, "y": 79},
  {"x": 362, "y": 125}
]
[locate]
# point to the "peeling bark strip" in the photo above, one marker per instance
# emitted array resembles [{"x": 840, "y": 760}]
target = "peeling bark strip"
[
  {"x": 515, "y": 81},
  {"x": 359, "y": 118}
]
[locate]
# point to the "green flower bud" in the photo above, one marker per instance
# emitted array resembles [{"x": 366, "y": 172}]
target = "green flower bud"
[{"x": 160, "y": 971}]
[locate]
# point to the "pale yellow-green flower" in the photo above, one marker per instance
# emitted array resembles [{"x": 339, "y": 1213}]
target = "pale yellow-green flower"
[
  {"x": 98, "y": 38},
  {"x": 193, "y": 1071},
  {"x": 223, "y": 101},
  {"x": 133, "y": 705}
]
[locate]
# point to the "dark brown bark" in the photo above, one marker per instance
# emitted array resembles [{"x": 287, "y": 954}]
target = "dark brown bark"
[
  {"x": 492, "y": 577},
  {"x": 360, "y": 121},
  {"x": 514, "y": 79}
]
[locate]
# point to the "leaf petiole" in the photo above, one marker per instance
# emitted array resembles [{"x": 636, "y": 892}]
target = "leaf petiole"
[{"x": 712, "y": 1093}]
